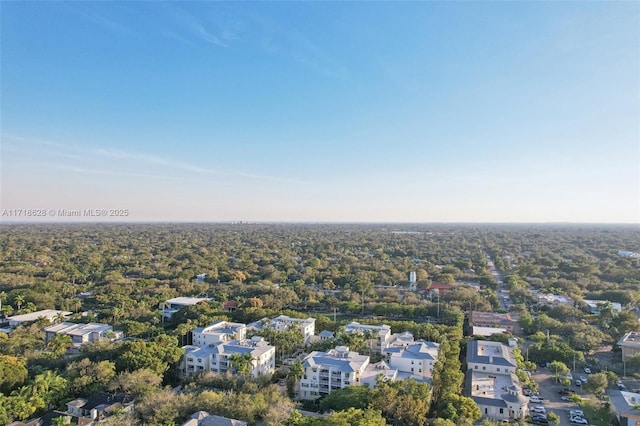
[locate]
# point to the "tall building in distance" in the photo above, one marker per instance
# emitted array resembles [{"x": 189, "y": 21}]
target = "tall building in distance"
[{"x": 413, "y": 282}]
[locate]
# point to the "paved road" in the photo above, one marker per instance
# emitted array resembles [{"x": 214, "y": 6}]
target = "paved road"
[{"x": 504, "y": 302}]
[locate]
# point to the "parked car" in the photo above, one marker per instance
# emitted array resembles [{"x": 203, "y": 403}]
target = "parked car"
[
  {"x": 621, "y": 386},
  {"x": 583, "y": 379},
  {"x": 540, "y": 419},
  {"x": 565, "y": 398},
  {"x": 536, "y": 399},
  {"x": 587, "y": 370},
  {"x": 576, "y": 413},
  {"x": 579, "y": 420},
  {"x": 578, "y": 382},
  {"x": 538, "y": 409}
]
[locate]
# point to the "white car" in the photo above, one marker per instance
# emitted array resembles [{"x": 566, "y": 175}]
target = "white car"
[
  {"x": 583, "y": 379},
  {"x": 538, "y": 409},
  {"x": 579, "y": 420},
  {"x": 536, "y": 399},
  {"x": 587, "y": 370},
  {"x": 578, "y": 382},
  {"x": 576, "y": 413}
]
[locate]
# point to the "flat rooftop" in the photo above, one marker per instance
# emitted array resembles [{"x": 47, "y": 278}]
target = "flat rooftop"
[
  {"x": 489, "y": 317},
  {"x": 186, "y": 301},
  {"x": 631, "y": 339},
  {"x": 35, "y": 316}
]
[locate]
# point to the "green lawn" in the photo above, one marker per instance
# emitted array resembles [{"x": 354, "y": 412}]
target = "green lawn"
[{"x": 597, "y": 413}]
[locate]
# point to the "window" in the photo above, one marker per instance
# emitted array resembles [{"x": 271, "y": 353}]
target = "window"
[
  {"x": 476, "y": 367},
  {"x": 484, "y": 368},
  {"x": 502, "y": 411},
  {"x": 498, "y": 369}
]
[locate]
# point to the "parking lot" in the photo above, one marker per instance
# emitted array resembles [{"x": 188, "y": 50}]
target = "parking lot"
[{"x": 549, "y": 391}]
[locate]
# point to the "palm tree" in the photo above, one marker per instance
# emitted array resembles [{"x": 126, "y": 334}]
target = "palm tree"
[
  {"x": 370, "y": 336},
  {"x": 59, "y": 317},
  {"x": 59, "y": 344},
  {"x": 18, "y": 300},
  {"x": 183, "y": 330},
  {"x": 241, "y": 363},
  {"x": 50, "y": 386},
  {"x": 296, "y": 371}
]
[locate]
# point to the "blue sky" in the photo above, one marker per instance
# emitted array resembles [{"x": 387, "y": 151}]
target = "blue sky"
[{"x": 323, "y": 111}]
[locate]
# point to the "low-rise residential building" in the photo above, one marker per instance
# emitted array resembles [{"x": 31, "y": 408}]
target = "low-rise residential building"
[
  {"x": 172, "y": 306},
  {"x": 219, "y": 331},
  {"x": 549, "y": 299},
  {"x": 82, "y": 333},
  {"x": 325, "y": 372},
  {"x": 595, "y": 306},
  {"x": 437, "y": 290},
  {"x": 216, "y": 357},
  {"x": 381, "y": 333},
  {"x": 416, "y": 358},
  {"x": 626, "y": 404},
  {"x": 326, "y": 335},
  {"x": 307, "y": 326},
  {"x": 486, "y": 356},
  {"x": 49, "y": 314},
  {"x": 492, "y": 383},
  {"x": 371, "y": 373},
  {"x": 630, "y": 344},
  {"x": 96, "y": 408},
  {"x": 492, "y": 319}
]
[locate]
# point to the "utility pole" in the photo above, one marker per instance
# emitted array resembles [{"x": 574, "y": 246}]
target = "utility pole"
[
  {"x": 335, "y": 310},
  {"x": 362, "y": 299}
]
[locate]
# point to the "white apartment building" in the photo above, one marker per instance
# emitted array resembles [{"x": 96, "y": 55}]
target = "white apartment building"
[
  {"x": 82, "y": 333},
  {"x": 216, "y": 357},
  {"x": 307, "y": 326},
  {"x": 325, "y": 372},
  {"x": 485, "y": 356},
  {"x": 413, "y": 357},
  {"x": 630, "y": 344},
  {"x": 219, "y": 331},
  {"x": 382, "y": 333},
  {"x": 492, "y": 383},
  {"x": 50, "y": 314},
  {"x": 172, "y": 306}
]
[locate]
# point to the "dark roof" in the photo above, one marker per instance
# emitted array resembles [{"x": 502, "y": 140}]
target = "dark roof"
[
  {"x": 103, "y": 398},
  {"x": 489, "y": 401}
]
